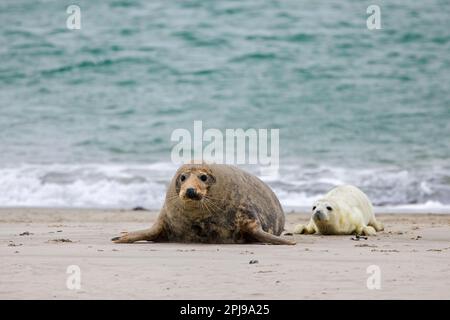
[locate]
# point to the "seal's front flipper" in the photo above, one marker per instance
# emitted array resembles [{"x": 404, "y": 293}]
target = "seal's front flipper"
[
  {"x": 262, "y": 236},
  {"x": 151, "y": 234},
  {"x": 130, "y": 237},
  {"x": 305, "y": 229}
]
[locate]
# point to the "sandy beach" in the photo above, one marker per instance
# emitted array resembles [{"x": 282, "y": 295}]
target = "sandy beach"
[{"x": 38, "y": 245}]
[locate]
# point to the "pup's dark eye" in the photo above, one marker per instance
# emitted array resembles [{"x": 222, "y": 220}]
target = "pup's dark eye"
[
  {"x": 182, "y": 177},
  {"x": 314, "y": 208},
  {"x": 203, "y": 177},
  {"x": 329, "y": 208}
]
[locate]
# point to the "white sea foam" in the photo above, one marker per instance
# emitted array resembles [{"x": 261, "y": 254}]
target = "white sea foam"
[
  {"x": 84, "y": 185},
  {"x": 131, "y": 185}
]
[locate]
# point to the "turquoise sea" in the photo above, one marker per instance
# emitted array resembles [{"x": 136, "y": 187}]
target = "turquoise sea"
[{"x": 86, "y": 115}]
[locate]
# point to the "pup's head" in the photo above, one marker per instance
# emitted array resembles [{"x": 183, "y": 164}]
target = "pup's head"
[
  {"x": 324, "y": 211},
  {"x": 193, "y": 182}
]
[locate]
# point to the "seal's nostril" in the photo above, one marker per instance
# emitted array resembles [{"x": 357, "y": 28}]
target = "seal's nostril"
[{"x": 191, "y": 193}]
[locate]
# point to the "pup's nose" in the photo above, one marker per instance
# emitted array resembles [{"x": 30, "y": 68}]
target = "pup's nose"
[
  {"x": 319, "y": 215},
  {"x": 191, "y": 193}
]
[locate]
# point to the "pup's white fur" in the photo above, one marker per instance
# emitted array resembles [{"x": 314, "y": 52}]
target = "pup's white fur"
[{"x": 343, "y": 210}]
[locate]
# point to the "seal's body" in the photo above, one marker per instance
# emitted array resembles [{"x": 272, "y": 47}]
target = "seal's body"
[
  {"x": 215, "y": 203},
  {"x": 343, "y": 210}
]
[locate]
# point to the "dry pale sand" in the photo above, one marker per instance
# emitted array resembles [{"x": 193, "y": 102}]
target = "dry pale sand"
[{"x": 413, "y": 255}]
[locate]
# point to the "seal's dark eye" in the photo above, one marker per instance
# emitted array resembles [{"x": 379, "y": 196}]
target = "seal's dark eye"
[
  {"x": 182, "y": 177},
  {"x": 314, "y": 208},
  {"x": 203, "y": 177},
  {"x": 329, "y": 208}
]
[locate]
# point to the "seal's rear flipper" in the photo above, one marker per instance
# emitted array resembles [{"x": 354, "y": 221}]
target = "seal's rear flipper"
[
  {"x": 252, "y": 227},
  {"x": 378, "y": 226},
  {"x": 368, "y": 231},
  {"x": 266, "y": 237}
]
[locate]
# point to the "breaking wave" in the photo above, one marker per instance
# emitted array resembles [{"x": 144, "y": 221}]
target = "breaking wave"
[{"x": 128, "y": 186}]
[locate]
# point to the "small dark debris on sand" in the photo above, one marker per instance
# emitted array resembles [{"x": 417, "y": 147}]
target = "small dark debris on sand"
[
  {"x": 60, "y": 240},
  {"x": 384, "y": 250},
  {"x": 365, "y": 245},
  {"x": 253, "y": 262},
  {"x": 26, "y": 233},
  {"x": 358, "y": 237},
  {"x": 138, "y": 208},
  {"x": 288, "y": 234},
  {"x": 12, "y": 244}
]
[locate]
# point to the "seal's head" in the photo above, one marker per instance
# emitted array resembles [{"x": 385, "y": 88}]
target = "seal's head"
[
  {"x": 193, "y": 182},
  {"x": 325, "y": 214}
]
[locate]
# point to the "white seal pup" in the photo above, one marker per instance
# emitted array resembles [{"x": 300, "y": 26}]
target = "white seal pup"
[{"x": 343, "y": 210}]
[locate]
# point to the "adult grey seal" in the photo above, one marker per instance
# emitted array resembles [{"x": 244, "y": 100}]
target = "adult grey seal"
[{"x": 215, "y": 203}]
